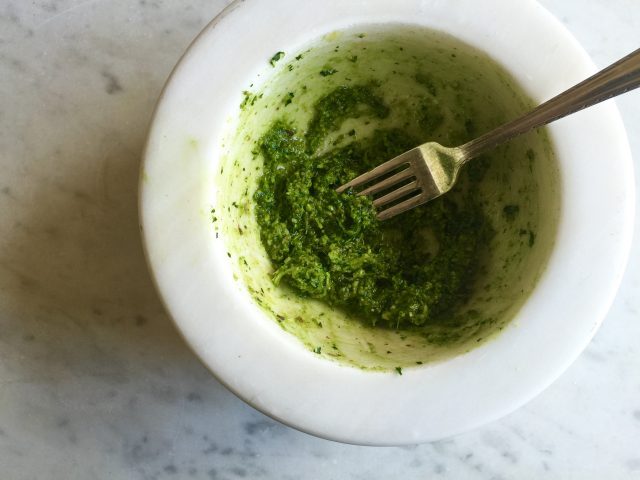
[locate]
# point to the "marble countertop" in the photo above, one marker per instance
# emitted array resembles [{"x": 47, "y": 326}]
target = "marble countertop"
[{"x": 96, "y": 383}]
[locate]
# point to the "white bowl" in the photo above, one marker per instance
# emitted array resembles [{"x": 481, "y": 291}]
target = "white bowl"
[{"x": 270, "y": 369}]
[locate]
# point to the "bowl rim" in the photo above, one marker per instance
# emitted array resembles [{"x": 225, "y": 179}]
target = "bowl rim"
[{"x": 333, "y": 405}]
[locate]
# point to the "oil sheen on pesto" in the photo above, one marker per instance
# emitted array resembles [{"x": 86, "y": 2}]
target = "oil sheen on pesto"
[{"x": 427, "y": 284}]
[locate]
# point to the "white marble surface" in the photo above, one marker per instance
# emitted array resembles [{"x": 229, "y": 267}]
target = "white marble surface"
[{"x": 95, "y": 382}]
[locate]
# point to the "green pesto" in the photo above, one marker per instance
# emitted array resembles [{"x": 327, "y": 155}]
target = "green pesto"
[{"x": 331, "y": 247}]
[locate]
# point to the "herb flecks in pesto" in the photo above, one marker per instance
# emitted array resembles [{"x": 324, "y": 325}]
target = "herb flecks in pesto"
[
  {"x": 276, "y": 58},
  {"x": 510, "y": 212},
  {"x": 327, "y": 71},
  {"x": 405, "y": 272}
]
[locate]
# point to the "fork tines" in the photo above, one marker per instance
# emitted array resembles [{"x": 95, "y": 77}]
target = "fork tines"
[{"x": 411, "y": 160}]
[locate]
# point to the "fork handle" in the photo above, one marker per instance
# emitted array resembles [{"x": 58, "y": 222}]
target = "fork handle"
[{"x": 618, "y": 78}]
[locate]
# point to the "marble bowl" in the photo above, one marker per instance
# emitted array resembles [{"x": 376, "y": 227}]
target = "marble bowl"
[{"x": 270, "y": 369}]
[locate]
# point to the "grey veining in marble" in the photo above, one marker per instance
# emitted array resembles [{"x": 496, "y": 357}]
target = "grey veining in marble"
[{"x": 95, "y": 382}]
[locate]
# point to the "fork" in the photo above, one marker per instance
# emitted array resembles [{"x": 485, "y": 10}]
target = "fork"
[{"x": 430, "y": 170}]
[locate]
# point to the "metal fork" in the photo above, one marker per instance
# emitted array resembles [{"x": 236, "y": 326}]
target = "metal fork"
[{"x": 428, "y": 171}]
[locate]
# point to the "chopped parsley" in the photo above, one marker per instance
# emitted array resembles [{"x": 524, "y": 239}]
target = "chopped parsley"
[
  {"x": 276, "y": 58},
  {"x": 288, "y": 98},
  {"x": 510, "y": 212},
  {"x": 325, "y": 72}
]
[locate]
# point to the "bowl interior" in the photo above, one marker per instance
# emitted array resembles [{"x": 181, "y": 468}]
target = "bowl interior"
[{"x": 422, "y": 75}]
